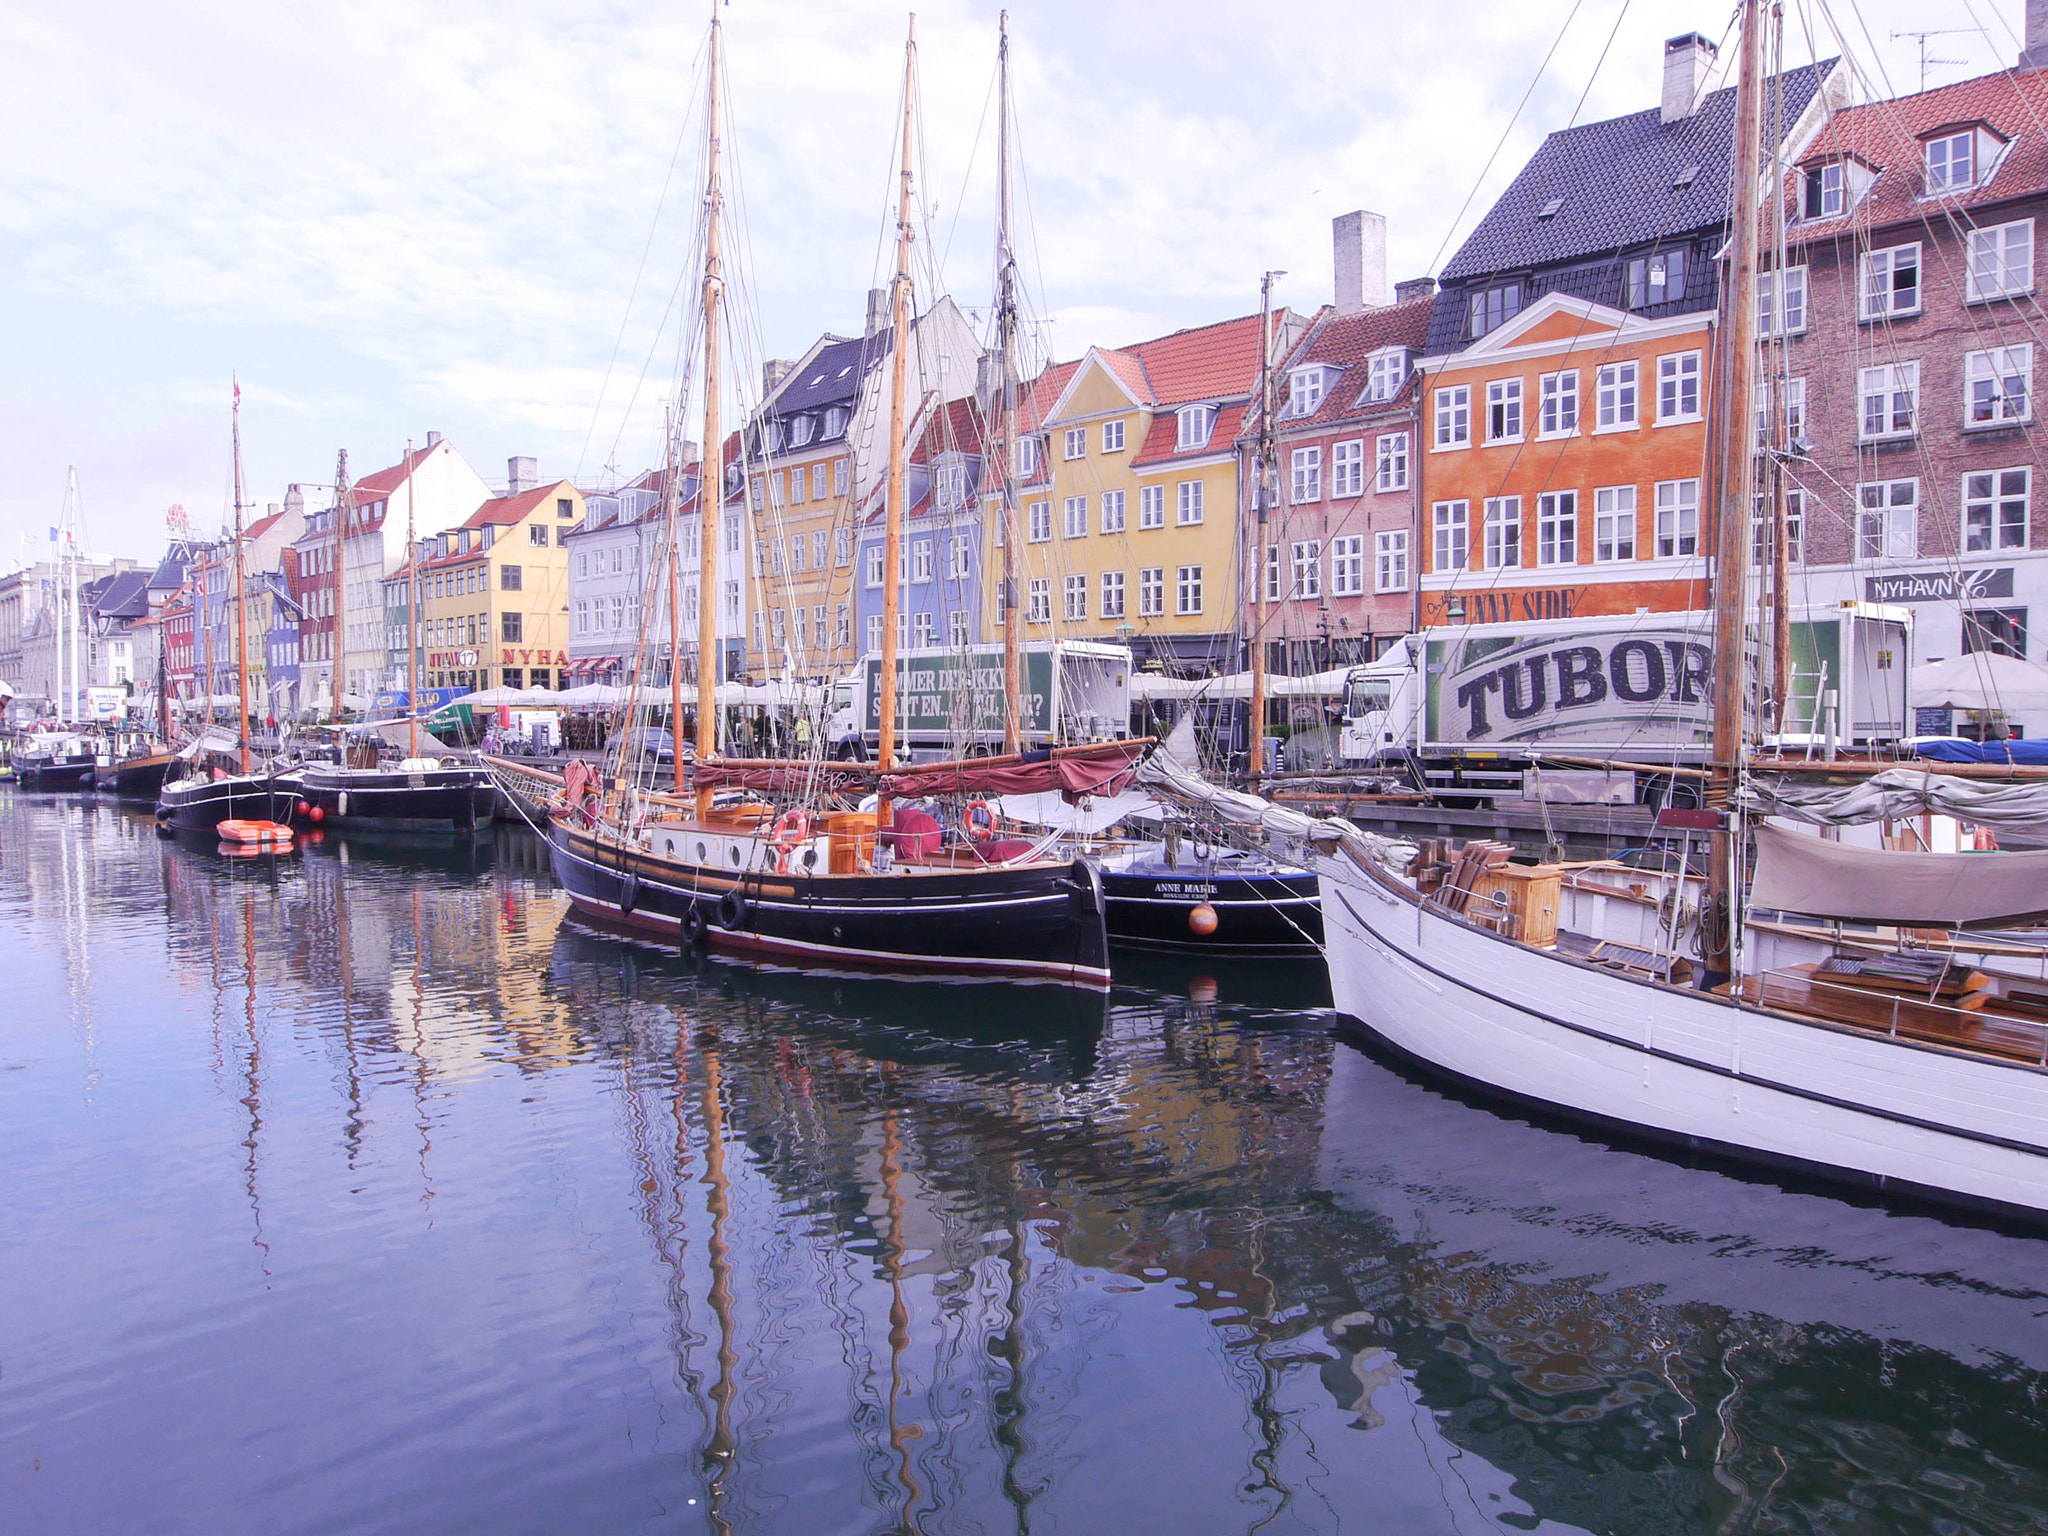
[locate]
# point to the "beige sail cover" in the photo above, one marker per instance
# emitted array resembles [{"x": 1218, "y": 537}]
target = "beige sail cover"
[{"x": 1796, "y": 872}]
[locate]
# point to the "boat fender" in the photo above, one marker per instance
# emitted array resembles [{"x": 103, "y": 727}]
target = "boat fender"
[
  {"x": 732, "y": 909},
  {"x": 1202, "y": 919},
  {"x": 629, "y": 894},
  {"x": 693, "y": 924}
]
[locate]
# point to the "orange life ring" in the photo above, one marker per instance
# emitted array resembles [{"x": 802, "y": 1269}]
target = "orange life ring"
[
  {"x": 979, "y": 831},
  {"x": 792, "y": 831},
  {"x": 1986, "y": 840}
]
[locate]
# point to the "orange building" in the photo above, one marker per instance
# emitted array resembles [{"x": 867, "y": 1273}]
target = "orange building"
[{"x": 1564, "y": 466}]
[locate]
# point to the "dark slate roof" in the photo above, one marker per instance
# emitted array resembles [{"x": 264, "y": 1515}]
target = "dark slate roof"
[
  {"x": 1615, "y": 185},
  {"x": 834, "y": 376},
  {"x": 126, "y": 596}
]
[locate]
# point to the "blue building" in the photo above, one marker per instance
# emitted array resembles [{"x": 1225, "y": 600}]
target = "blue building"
[{"x": 941, "y": 592}]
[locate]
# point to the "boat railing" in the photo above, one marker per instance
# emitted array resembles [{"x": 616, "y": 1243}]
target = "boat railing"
[{"x": 1960, "y": 1014}]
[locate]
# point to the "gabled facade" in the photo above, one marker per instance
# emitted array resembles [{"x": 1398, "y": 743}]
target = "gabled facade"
[
  {"x": 1905, "y": 360},
  {"x": 1564, "y": 466},
  {"x": 939, "y": 600},
  {"x": 1136, "y": 537},
  {"x": 1339, "y": 563},
  {"x": 494, "y": 597}
]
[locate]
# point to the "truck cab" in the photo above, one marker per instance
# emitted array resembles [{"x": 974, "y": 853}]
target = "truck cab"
[
  {"x": 844, "y": 736},
  {"x": 1381, "y": 708}
]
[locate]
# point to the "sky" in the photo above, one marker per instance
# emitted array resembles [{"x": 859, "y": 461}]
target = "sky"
[{"x": 476, "y": 216}]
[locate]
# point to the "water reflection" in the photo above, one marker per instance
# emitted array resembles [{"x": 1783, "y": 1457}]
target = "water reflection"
[{"x": 359, "y": 1188}]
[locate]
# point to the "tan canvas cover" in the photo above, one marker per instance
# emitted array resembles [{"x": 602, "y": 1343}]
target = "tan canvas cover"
[{"x": 1796, "y": 872}]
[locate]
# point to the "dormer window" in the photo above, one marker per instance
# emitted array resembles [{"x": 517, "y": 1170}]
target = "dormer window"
[
  {"x": 1492, "y": 308},
  {"x": 1027, "y": 456},
  {"x": 801, "y": 430},
  {"x": 1304, "y": 390},
  {"x": 951, "y": 486},
  {"x": 771, "y": 435},
  {"x": 1386, "y": 373},
  {"x": 1824, "y": 193},
  {"x": 1195, "y": 423},
  {"x": 835, "y": 420},
  {"x": 1656, "y": 279},
  {"x": 1951, "y": 162}
]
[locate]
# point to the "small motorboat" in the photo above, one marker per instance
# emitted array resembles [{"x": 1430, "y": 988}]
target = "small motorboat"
[
  {"x": 255, "y": 833},
  {"x": 56, "y": 760}
]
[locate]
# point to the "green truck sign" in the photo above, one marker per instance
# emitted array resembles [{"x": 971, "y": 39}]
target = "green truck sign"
[{"x": 961, "y": 693}]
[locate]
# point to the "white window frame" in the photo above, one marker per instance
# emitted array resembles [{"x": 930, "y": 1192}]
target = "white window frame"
[
  {"x": 1193, "y": 425},
  {"x": 1884, "y": 386},
  {"x": 1390, "y": 462},
  {"x": 1040, "y": 594},
  {"x": 1454, "y": 417},
  {"x": 1038, "y": 519},
  {"x": 1557, "y": 528},
  {"x": 1347, "y": 565},
  {"x": 1189, "y": 514},
  {"x": 1386, "y": 372},
  {"x": 1187, "y": 591},
  {"x": 1678, "y": 388},
  {"x": 1074, "y": 597},
  {"x": 874, "y": 566},
  {"x": 1678, "y": 519},
  {"x": 1077, "y": 442},
  {"x": 1999, "y": 404},
  {"x": 1501, "y": 534},
  {"x": 1151, "y": 506},
  {"x": 1557, "y": 404},
  {"x": 1451, "y": 523},
  {"x": 921, "y": 560},
  {"x": 1887, "y": 523},
  {"x": 874, "y": 628},
  {"x": 1304, "y": 390},
  {"x": 1618, "y": 396},
  {"x": 1074, "y": 517},
  {"x": 1615, "y": 519},
  {"x": 1306, "y": 559},
  {"x": 2001, "y": 262},
  {"x": 1993, "y": 492},
  {"x": 1112, "y": 511},
  {"x": 1305, "y": 483},
  {"x": 1878, "y": 290},
  {"x": 1504, "y": 411},
  {"x": 1113, "y": 436},
  {"x": 1390, "y": 561},
  {"x": 956, "y": 628},
  {"x": 1112, "y": 594},
  {"x": 1769, "y": 321},
  {"x": 1347, "y": 468},
  {"x": 1941, "y": 163},
  {"x": 1152, "y": 592}
]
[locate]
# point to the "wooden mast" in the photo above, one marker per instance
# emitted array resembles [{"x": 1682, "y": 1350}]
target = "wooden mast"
[
  {"x": 1006, "y": 407},
  {"x": 412, "y": 691},
  {"x": 892, "y": 523},
  {"x": 711, "y": 471},
  {"x": 1777, "y": 438},
  {"x": 670, "y": 495},
  {"x": 344, "y": 504},
  {"x": 1738, "y": 497},
  {"x": 241, "y": 608},
  {"x": 1262, "y": 496}
]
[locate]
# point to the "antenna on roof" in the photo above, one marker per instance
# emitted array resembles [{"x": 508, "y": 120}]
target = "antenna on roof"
[{"x": 1921, "y": 39}]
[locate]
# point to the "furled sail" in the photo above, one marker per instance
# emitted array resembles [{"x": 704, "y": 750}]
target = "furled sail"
[
  {"x": 1105, "y": 768},
  {"x": 2020, "y": 808},
  {"x": 1796, "y": 872}
]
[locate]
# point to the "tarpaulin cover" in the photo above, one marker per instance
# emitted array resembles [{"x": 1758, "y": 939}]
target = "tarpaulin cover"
[
  {"x": 1898, "y": 794},
  {"x": 1077, "y": 771},
  {"x": 2004, "y": 753},
  {"x": 1798, "y": 872}
]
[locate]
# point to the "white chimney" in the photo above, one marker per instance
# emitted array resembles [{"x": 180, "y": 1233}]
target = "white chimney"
[
  {"x": 1687, "y": 62},
  {"x": 879, "y": 313},
  {"x": 433, "y": 441},
  {"x": 521, "y": 474},
  {"x": 1360, "y": 243},
  {"x": 2035, "y": 54},
  {"x": 773, "y": 372}
]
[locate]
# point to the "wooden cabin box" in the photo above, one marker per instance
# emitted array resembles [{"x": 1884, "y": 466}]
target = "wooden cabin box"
[
  {"x": 852, "y": 840},
  {"x": 1527, "y": 895}
]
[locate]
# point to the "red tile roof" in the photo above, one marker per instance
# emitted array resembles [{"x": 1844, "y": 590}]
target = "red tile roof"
[
  {"x": 513, "y": 509},
  {"x": 1209, "y": 361},
  {"x": 1887, "y": 136},
  {"x": 1348, "y": 342},
  {"x": 381, "y": 484},
  {"x": 1161, "y": 443}
]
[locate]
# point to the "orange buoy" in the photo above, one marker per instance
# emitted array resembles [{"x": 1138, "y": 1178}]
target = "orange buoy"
[{"x": 1203, "y": 919}]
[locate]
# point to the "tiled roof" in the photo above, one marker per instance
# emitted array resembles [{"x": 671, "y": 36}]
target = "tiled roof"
[
  {"x": 1886, "y": 135},
  {"x": 262, "y": 525},
  {"x": 834, "y": 376},
  {"x": 1161, "y": 443},
  {"x": 385, "y": 481},
  {"x": 1207, "y": 362},
  {"x": 126, "y": 596},
  {"x": 1616, "y": 185},
  {"x": 1348, "y": 342},
  {"x": 1037, "y": 397},
  {"x": 1130, "y": 368},
  {"x": 513, "y": 509}
]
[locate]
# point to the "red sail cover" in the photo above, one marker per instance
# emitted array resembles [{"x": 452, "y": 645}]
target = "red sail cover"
[{"x": 1106, "y": 769}]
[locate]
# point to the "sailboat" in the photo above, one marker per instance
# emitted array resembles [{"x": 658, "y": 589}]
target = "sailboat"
[
  {"x": 419, "y": 793},
  {"x": 1833, "y": 1015},
  {"x": 140, "y": 775},
  {"x": 811, "y": 880},
  {"x": 196, "y": 800}
]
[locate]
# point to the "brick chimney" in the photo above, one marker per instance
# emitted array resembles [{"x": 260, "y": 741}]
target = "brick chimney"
[
  {"x": 1414, "y": 288},
  {"x": 2035, "y": 54},
  {"x": 1359, "y": 243},
  {"x": 773, "y": 372},
  {"x": 1687, "y": 61},
  {"x": 879, "y": 314},
  {"x": 521, "y": 474},
  {"x": 433, "y": 441}
]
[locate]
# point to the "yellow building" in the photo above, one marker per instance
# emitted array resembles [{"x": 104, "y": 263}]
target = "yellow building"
[
  {"x": 1128, "y": 501},
  {"x": 494, "y": 593}
]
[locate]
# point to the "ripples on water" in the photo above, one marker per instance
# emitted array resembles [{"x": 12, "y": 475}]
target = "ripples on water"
[{"x": 363, "y": 1190}]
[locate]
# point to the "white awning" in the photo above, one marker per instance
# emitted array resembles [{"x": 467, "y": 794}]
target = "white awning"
[
  {"x": 1798, "y": 872},
  {"x": 1982, "y": 680}
]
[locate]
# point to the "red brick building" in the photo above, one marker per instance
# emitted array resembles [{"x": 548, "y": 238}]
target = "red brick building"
[{"x": 1904, "y": 354}]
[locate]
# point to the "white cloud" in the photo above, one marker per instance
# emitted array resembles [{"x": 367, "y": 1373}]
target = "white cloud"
[{"x": 389, "y": 218}]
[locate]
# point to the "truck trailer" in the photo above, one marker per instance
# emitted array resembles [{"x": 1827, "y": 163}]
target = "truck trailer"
[{"x": 949, "y": 701}]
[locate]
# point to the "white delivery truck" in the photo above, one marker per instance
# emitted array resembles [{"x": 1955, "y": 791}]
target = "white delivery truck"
[
  {"x": 1471, "y": 708},
  {"x": 951, "y": 700}
]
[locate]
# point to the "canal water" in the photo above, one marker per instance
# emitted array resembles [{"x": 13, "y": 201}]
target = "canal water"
[{"x": 364, "y": 1190}]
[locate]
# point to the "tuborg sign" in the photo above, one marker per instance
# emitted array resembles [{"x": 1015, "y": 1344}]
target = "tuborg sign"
[{"x": 1652, "y": 683}]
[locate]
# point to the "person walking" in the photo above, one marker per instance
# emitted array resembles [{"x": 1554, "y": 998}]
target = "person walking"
[{"x": 803, "y": 735}]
